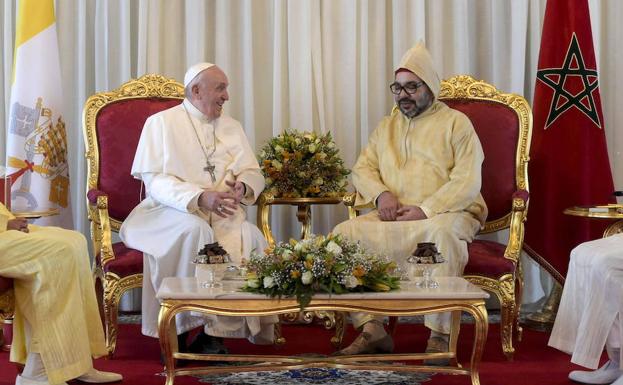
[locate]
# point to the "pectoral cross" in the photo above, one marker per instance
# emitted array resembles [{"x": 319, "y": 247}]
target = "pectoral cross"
[{"x": 210, "y": 168}]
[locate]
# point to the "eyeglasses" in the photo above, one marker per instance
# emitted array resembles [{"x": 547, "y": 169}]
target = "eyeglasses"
[{"x": 410, "y": 88}]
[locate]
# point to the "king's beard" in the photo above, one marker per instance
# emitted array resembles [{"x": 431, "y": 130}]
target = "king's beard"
[{"x": 410, "y": 108}]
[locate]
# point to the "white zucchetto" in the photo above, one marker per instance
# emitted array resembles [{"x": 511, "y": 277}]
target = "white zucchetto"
[{"x": 195, "y": 70}]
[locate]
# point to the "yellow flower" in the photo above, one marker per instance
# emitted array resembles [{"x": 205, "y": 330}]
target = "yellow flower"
[
  {"x": 277, "y": 164},
  {"x": 295, "y": 274},
  {"x": 359, "y": 272},
  {"x": 320, "y": 156},
  {"x": 381, "y": 287}
]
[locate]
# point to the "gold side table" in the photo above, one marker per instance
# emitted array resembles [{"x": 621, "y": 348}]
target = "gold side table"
[
  {"x": 303, "y": 213},
  {"x": 36, "y": 214},
  {"x": 611, "y": 211}
]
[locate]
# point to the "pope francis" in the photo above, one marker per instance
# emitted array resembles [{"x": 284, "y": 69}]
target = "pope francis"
[
  {"x": 57, "y": 327},
  {"x": 422, "y": 170},
  {"x": 197, "y": 167}
]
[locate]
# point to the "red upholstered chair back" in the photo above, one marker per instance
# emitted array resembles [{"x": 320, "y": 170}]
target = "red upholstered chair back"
[
  {"x": 502, "y": 125},
  {"x": 113, "y": 124}
]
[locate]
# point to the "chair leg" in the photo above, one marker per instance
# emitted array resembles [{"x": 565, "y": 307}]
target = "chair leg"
[
  {"x": 278, "y": 336},
  {"x": 508, "y": 316},
  {"x": 340, "y": 327},
  {"x": 111, "y": 308},
  {"x": 518, "y": 301}
]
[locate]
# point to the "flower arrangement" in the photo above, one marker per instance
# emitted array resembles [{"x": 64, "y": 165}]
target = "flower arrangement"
[
  {"x": 318, "y": 264},
  {"x": 303, "y": 164}
]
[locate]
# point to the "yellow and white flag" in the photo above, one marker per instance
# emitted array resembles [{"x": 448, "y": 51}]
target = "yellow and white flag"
[{"x": 36, "y": 137}]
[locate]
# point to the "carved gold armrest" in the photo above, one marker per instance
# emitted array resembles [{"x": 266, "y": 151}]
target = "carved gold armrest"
[
  {"x": 103, "y": 224},
  {"x": 516, "y": 229},
  {"x": 353, "y": 210},
  {"x": 7, "y": 304}
]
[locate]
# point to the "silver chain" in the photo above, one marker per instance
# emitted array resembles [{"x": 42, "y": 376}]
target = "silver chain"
[{"x": 205, "y": 151}]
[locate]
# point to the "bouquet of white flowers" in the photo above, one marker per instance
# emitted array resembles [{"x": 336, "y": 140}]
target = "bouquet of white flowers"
[{"x": 318, "y": 265}]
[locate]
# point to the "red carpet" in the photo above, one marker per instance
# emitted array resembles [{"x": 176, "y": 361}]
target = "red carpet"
[{"x": 137, "y": 356}]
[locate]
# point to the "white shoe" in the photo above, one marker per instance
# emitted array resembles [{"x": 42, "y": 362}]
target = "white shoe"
[
  {"x": 19, "y": 380},
  {"x": 95, "y": 376},
  {"x": 607, "y": 374},
  {"x": 619, "y": 381}
]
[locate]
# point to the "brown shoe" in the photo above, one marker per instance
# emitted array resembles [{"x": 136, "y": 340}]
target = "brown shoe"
[
  {"x": 364, "y": 345},
  {"x": 437, "y": 345}
]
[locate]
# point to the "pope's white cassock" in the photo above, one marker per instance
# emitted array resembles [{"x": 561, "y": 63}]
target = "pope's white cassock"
[
  {"x": 592, "y": 302},
  {"x": 169, "y": 228}
]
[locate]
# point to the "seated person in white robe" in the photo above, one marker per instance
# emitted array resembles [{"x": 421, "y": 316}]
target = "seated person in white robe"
[
  {"x": 57, "y": 328},
  {"x": 197, "y": 167},
  {"x": 422, "y": 170},
  {"x": 589, "y": 315}
]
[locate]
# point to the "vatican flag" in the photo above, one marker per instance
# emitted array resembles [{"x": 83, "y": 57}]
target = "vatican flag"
[{"x": 38, "y": 174}]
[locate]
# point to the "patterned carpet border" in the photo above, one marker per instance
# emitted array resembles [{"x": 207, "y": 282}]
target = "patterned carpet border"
[{"x": 311, "y": 376}]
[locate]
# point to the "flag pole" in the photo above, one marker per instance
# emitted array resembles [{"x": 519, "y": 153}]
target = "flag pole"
[{"x": 543, "y": 320}]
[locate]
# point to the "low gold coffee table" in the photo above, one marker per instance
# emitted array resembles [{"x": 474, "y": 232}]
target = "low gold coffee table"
[{"x": 453, "y": 294}]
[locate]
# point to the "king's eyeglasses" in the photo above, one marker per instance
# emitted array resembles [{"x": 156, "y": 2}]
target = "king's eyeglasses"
[{"x": 410, "y": 88}]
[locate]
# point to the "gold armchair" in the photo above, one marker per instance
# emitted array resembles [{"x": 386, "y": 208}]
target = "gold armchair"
[
  {"x": 7, "y": 298},
  {"x": 503, "y": 123},
  {"x": 7, "y": 303},
  {"x": 112, "y": 124}
]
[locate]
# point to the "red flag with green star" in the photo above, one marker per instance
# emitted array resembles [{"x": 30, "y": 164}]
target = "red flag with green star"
[{"x": 569, "y": 163}]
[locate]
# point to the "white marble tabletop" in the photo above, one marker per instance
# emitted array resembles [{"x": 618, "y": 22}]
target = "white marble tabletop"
[{"x": 449, "y": 288}]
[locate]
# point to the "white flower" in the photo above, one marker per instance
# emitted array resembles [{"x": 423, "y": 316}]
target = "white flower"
[
  {"x": 286, "y": 254},
  {"x": 297, "y": 141},
  {"x": 334, "y": 248},
  {"x": 351, "y": 282},
  {"x": 304, "y": 245},
  {"x": 306, "y": 278},
  {"x": 308, "y": 136},
  {"x": 312, "y": 148},
  {"x": 262, "y": 154},
  {"x": 278, "y": 148},
  {"x": 331, "y": 145},
  {"x": 269, "y": 282},
  {"x": 318, "y": 181},
  {"x": 253, "y": 283}
]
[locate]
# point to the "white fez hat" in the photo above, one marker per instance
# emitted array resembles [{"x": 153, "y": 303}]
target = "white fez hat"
[{"x": 195, "y": 70}]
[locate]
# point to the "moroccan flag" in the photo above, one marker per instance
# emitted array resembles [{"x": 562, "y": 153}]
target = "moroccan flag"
[
  {"x": 36, "y": 137},
  {"x": 569, "y": 161}
]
